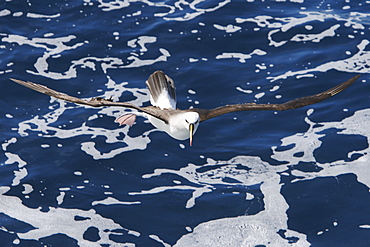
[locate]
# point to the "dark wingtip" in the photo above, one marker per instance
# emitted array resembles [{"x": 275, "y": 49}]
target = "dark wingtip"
[
  {"x": 15, "y": 80},
  {"x": 342, "y": 86},
  {"x": 23, "y": 83},
  {"x": 356, "y": 77}
]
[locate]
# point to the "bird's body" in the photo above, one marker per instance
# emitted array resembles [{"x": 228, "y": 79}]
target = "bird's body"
[
  {"x": 163, "y": 95},
  {"x": 182, "y": 124},
  {"x": 175, "y": 128}
]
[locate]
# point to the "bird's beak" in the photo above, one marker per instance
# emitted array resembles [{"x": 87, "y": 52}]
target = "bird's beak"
[{"x": 191, "y": 130}]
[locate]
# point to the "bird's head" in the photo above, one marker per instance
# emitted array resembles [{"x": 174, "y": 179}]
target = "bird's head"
[{"x": 191, "y": 121}]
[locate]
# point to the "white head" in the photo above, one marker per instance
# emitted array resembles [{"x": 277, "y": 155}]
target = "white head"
[{"x": 191, "y": 122}]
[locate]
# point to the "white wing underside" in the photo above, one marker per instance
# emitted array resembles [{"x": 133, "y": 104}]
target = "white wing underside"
[
  {"x": 164, "y": 101},
  {"x": 162, "y": 90}
]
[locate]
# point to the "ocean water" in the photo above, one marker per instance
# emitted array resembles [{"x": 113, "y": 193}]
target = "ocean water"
[{"x": 70, "y": 176}]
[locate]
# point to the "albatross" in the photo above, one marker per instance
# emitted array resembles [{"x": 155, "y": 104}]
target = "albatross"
[{"x": 182, "y": 124}]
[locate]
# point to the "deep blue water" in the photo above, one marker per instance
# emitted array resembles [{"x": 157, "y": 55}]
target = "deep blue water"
[{"x": 71, "y": 177}]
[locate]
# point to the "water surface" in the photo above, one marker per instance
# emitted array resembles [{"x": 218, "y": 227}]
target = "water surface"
[{"x": 72, "y": 177}]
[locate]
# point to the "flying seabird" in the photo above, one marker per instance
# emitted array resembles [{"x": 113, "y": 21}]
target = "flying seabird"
[{"x": 182, "y": 124}]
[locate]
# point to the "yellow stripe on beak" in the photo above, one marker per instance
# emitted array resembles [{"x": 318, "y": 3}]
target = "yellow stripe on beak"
[{"x": 191, "y": 130}]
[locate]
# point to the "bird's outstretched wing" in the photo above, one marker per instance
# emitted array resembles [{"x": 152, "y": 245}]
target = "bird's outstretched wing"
[
  {"x": 94, "y": 102},
  {"x": 292, "y": 104},
  {"x": 162, "y": 90}
]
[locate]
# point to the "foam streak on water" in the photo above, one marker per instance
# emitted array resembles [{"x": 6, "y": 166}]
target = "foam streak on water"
[{"x": 244, "y": 229}]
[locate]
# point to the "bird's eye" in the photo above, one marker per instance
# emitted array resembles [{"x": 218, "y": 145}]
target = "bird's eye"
[{"x": 186, "y": 121}]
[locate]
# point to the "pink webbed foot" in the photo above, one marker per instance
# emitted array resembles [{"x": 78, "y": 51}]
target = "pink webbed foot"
[{"x": 128, "y": 119}]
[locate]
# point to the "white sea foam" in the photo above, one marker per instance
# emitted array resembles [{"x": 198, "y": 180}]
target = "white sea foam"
[
  {"x": 113, "y": 201},
  {"x": 42, "y": 124},
  {"x": 242, "y": 57},
  {"x": 358, "y": 63},
  {"x": 252, "y": 229},
  {"x": 60, "y": 218},
  {"x": 228, "y": 29},
  {"x": 5, "y": 12},
  {"x": 184, "y": 15},
  {"x": 260, "y": 229},
  {"x": 316, "y": 37},
  {"x": 54, "y": 47},
  {"x": 142, "y": 41},
  {"x": 282, "y": 25},
  {"x": 37, "y": 16}
]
